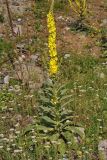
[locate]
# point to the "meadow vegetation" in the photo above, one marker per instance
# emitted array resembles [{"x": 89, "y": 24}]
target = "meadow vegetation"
[{"x": 53, "y": 92}]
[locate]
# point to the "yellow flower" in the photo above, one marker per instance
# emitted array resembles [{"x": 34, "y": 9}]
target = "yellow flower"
[
  {"x": 54, "y": 100},
  {"x": 53, "y": 62},
  {"x": 53, "y": 66},
  {"x": 53, "y": 70}
]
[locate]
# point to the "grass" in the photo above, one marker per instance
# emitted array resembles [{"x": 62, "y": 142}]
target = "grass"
[
  {"x": 86, "y": 79},
  {"x": 1, "y": 18}
]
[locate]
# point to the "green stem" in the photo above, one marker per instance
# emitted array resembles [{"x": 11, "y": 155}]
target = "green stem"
[{"x": 52, "y": 6}]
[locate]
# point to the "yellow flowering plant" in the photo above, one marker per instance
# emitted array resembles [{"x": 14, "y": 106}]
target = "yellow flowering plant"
[
  {"x": 79, "y": 7},
  {"x": 55, "y": 117}
]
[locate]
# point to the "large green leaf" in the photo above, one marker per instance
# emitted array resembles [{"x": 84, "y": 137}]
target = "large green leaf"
[
  {"x": 45, "y": 109},
  {"x": 54, "y": 137},
  {"x": 44, "y": 99},
  {"x": 48, "y": 120},
  {"x": 68, "y": 136},
  {"x": 76, "y": 130},
  {"x": 28, "y": 129},
  {"x": 44, "y": 128},
  {"x": 66, "y": 113},
  {"x": 61, "y": 146},
  {"x": 68, "y": 118}
]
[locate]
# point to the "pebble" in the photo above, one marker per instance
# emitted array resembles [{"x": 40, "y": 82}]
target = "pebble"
[
  {"x": 104, "y": 22},
  {"x": 102, "y": 147},
  {"x": 6, "y": 79}
]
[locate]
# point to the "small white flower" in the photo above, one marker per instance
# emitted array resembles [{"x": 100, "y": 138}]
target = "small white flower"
[
  {"x": 54, "y": 142},
  {"x": 19, "y": 19},
  {"x": 6, "y": 139},
  {"x": 23, "y": 56},
  {"x": 17, "y": 132},
  {"x": 82, "y": 90},
  {"x": 47, "y": 146},
  {"x": 45, "y": 131},
  {"x": 67, "y": 28},
  {"x": 99, "y": 120},
  {"x": 101, "y": 127},
  {"x": 90, "y": 87},
  {"x": 102, "y": 75},
  {"x": 3, "y": 117},
  {"x": 17, "y": 151},
  {"x": 20, "y": 148},
  {"x": 17, "y": 124},
  {"x": 33, "y": 137},
  {"x": 11, "y": 129},
  {"x": 10, "y": 109},
  {"x": 30, "y": 96},
  {"x": 33, "y": 140},
  {"x": 60, "y": 18},
  {"x": 1, "y": 135},
  {"x": 66, "y": 56},
  {"x": 4, "y": 108},
  {"x": 67, "y": 121},
  {"x": 11, "y": 136},
  {"x": 48, "y": 143},
  {"x": 86, "y": 152},
  {"x": 11, "y": 140},
  {"x": 1, "y": 147},
  {"x": 20, "y": 59},
  {"x": 97, "y": 95},
  {"x": 58, "y": 143},
  {"x": 8, "y": 149},
  {"x": 33, "y": 130}
]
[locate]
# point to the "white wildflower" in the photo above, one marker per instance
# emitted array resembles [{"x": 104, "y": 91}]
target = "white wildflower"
[
  {"x": 1, "y": 147},
  {"x": 17, "y": 150}
]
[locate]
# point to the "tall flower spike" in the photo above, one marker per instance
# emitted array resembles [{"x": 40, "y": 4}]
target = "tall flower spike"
[{"x": 53, "y": 66}]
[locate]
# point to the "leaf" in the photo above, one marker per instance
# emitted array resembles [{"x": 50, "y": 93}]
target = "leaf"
[
  {"x": 28, "y": 129},
  {"x": 48, "y": 120},
  {"x": 76, "y": 130},
  {"x": 64, "y": 91},
  {"x": 72, "y": 6},
  {"x": 54, "y": 137},
  {"x": 70, "y": 118},
  {"x": 78, "y": 3},
  {"x": 65, "y": 97},
  {"x": 61, "y": 146},
  {"x": 80, "y": 132},
  {"x": 45, "y": 109},
  {"x": 68, "y": 136},
  {"x": 84, "y": 4},
  {"x": 66, "y": 112},
  {"x": 65, "y": 104},
  {"x": 44, "y": 99},
  {"x": 44, "y": 128}
]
